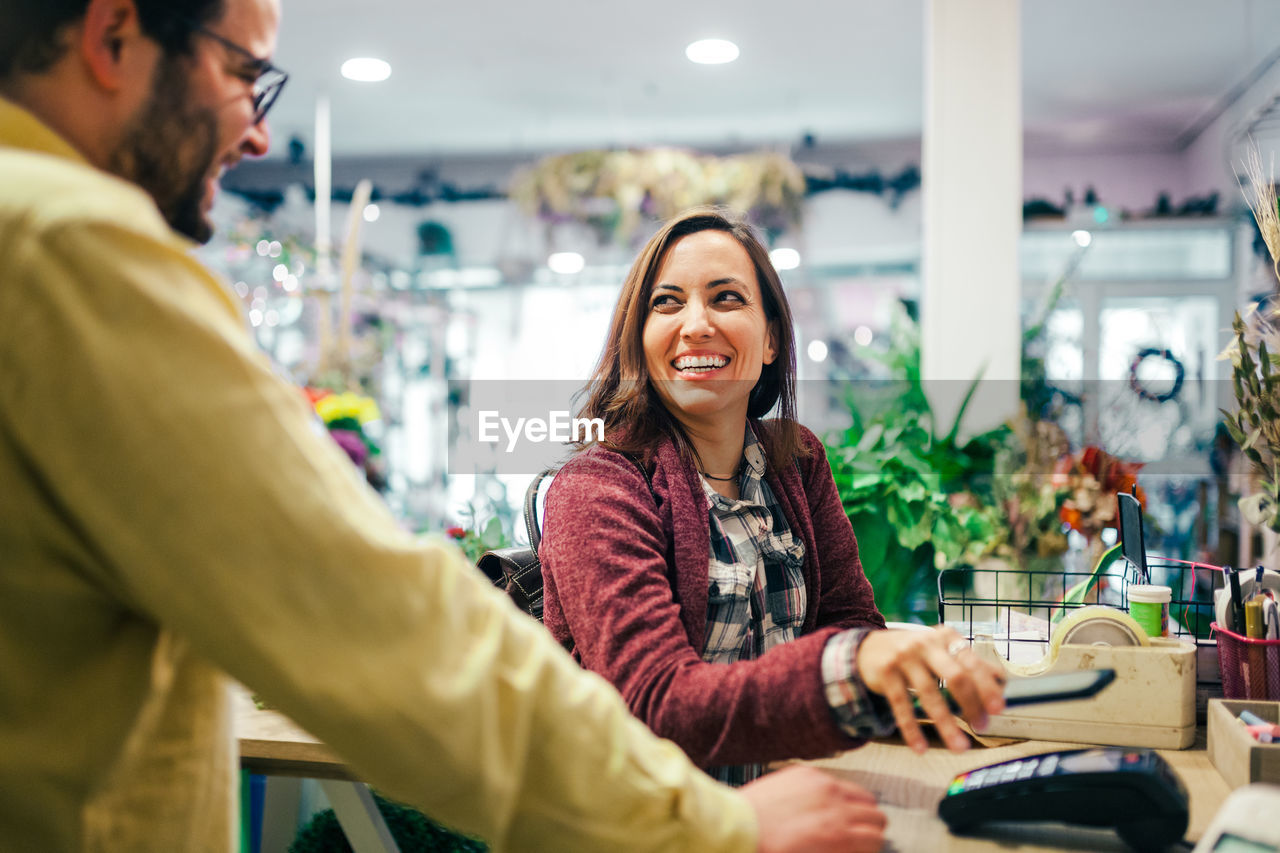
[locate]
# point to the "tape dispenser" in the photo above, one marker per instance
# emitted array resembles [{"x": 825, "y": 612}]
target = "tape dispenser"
[{"x": 1152, "y": 702}]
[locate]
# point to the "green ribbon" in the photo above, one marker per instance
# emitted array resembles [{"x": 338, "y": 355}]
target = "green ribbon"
[{"x": 1077, "y": 593}]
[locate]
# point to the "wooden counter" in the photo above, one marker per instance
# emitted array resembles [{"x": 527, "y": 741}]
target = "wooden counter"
[{"x": 909, "y": 786}]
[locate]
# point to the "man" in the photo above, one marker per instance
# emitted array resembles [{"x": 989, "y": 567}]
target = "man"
[{"x": 168, "y": 514}]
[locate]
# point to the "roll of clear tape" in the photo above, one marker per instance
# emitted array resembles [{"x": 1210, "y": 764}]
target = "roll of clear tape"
[
  {"x": 1087, "y": 626},
  {"x": 1098, "y": 626},
  {"x": 1223, "y": 609}
]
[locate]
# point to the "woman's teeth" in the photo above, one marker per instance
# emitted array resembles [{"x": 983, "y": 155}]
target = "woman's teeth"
[{"x": 700, "y": 363}]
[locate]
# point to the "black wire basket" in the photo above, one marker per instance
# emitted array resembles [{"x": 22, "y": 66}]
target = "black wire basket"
[{"x": 1017, "y": 607}]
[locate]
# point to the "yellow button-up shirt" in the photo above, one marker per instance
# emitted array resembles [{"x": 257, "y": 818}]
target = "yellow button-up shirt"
[{"x": 168, "y": 514}]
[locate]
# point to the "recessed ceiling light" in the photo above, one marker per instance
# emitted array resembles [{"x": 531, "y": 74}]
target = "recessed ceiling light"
[
  {"x": 366, "y": 69},
  {"x": 711, "y": 51},
  {"x": 785, "y": 259},
  {"x": 566, "y": 263}
]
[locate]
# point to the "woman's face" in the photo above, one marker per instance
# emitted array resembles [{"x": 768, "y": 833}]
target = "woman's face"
[{"x": 706, "y": 336}]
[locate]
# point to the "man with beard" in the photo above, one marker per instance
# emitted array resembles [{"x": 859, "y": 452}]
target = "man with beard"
[{"x": 168, "y": 514}]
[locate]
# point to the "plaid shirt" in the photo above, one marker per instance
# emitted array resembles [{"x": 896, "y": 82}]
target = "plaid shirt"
[{"x": 757, "y": 600}]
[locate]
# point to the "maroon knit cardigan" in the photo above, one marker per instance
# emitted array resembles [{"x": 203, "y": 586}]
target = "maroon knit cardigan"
[{"x": 626, "y": 585}]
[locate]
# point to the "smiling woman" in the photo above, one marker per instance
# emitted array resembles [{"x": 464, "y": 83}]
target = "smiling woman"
[
  {"x": 702, "y": 303},
  {"x": 724, "y": 598}
]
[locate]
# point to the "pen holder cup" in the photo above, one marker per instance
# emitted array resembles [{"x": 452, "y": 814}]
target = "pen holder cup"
[{"x": 1250, "y": 668}]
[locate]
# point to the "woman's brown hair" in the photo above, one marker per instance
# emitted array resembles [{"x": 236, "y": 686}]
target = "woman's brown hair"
[{"x": 620, "y": 391}]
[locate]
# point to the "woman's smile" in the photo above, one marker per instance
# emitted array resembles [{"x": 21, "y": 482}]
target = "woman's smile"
[{"x": 699, "y": 365}]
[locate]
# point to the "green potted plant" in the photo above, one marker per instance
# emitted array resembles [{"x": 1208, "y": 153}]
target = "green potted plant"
[
  {"x": 919, "y": 498},
  {"x": 475, "y": 539}
]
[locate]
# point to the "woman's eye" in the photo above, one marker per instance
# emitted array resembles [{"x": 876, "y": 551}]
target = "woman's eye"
[
  {"x": 729, "y": 296},
  {"x": 664, "y": 302}
]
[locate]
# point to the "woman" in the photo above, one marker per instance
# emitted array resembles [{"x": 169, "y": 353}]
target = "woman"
[{"x": 699, "y": 558}]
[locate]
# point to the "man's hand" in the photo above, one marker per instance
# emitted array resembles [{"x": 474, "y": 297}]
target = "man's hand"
[
  {"x": 804, "y": 810},
  {"x": 891, "y": 661}
]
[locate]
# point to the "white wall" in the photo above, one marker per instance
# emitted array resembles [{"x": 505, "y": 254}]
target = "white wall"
[{"x": 1125, "y": 181}]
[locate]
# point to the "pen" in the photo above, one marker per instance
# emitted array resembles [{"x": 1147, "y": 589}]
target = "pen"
[{"x": 1271, "y": 630}]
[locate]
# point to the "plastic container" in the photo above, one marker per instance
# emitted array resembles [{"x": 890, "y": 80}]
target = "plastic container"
[
  {"x": 1250, "y": 668},
  {"x": 1149, "y": 606}
]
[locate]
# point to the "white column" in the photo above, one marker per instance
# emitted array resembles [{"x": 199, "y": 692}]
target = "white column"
[
  {"x": 972, "y": 185},
  {"x": 323, "y": 173},
  {"x": 323, "y": 169}
]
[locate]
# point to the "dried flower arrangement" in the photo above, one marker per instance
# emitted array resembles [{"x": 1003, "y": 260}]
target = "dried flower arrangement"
[
  {"x": 618, "y": 193},
  {"x": 1255, "y": 367}
]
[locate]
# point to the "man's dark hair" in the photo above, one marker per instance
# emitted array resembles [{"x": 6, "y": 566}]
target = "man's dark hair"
[{"x": 32, "y": 31}]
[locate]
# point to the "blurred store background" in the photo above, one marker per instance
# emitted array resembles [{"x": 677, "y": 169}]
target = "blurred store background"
[{"x": 489, "y": 195}]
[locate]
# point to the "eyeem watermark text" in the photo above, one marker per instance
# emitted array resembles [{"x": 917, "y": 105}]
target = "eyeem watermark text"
[{"x": 558, "y": 427}]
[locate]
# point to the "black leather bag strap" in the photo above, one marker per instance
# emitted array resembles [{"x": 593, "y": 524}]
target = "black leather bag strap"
[{"x": 531, "y": 525}]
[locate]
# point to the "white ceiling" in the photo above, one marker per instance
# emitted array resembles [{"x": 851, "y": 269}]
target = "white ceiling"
[{"x": 520, "y": 77}]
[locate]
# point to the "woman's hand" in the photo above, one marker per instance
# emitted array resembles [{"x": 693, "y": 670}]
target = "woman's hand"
[
  {"x": 804, "y": 810},
  {"x": 891, "y": 661}
]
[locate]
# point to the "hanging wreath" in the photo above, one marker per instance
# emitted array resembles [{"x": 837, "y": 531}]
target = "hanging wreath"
[{"x": 1179, "y": 373}]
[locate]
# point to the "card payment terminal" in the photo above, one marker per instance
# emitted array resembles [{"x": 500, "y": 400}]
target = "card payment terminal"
[{"x": 1133, "y": 790}]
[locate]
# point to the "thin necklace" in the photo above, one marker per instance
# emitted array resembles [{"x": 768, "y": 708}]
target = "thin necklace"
[{"x": 728, "y": 479}]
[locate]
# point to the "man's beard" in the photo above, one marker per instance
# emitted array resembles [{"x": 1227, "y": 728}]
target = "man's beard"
[{"x": 169, "y": 148}]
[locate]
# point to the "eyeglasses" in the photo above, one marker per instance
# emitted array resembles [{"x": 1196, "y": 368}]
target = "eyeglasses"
[{"x": 268, "y": 80}]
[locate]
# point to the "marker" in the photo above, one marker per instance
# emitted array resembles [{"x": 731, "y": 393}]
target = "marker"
[
  {"x": 1255, "y": 682},
  {"x": 1258, "y": 727},
  {"x": 1253, "y": 619}
]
